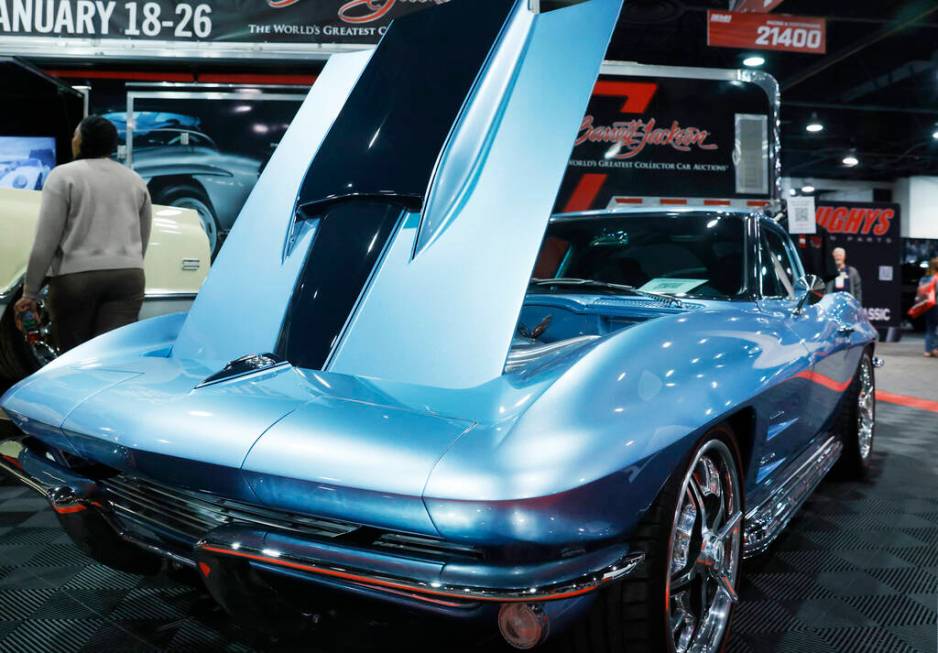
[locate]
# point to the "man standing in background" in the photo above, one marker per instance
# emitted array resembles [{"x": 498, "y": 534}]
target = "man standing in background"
[{"x": 847, "y": 279}]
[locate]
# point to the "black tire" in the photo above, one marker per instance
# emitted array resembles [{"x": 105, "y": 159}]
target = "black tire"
[
  {"x": 193, "y": 197},
  {"x": 628, "y": 617},
  {"x": 16, "y": 360},
  {"x": 854, "y": 463}
]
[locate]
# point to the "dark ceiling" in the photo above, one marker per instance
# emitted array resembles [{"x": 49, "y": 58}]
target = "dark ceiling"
[{"x": 875, "y": 90}]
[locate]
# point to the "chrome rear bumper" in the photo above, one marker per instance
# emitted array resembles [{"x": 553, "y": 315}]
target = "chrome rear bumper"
[
  {"x": 316, "y": 562},
  {"x": 305, "y": 546}
]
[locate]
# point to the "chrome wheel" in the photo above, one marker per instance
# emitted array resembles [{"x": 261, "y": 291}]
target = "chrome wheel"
[
  {"x": 704, "y": 552},
  {"x": 44, "y": 350},
  {"x": 205, "y": 215},
  {"x": 866, "y": 409}
]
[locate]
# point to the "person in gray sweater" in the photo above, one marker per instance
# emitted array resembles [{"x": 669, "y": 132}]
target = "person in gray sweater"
[{"x": 94, "y": 226}]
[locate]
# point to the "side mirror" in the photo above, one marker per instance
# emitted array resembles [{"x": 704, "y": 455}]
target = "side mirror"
[{"x": 808, "y": 290}]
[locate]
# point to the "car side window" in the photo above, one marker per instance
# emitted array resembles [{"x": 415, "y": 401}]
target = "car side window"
[{"x": 777, "y": 272}]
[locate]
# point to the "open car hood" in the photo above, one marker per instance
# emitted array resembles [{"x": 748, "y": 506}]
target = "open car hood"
[{"x": 453, "y": 137}]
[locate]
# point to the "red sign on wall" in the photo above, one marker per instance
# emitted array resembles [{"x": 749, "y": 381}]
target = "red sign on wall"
[{"x": 731, "y": 29}]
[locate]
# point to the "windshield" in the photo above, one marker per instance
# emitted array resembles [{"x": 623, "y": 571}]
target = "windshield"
[{"x": 697, "y": 255}]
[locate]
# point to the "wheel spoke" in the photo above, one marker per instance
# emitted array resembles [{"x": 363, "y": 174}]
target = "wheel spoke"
[
  {"x": 711, "y": 478},
  {"x": 683, "y": 623},
  {"x": 682, "y": 580},
  {"x": 729, "y": 527},
  {"x": 726, "y": 586},
  {"x": 699, "y": 500},
  {"x": 704, "y": 595},
  {"x": 717, "y": 520},
  {"x": 676, "y": 623},
  {"x": 683, "y": 536}
]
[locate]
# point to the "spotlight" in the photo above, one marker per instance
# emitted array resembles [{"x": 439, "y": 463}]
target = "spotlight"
[
  {"x": 808, "y": 189},
  {"x": 814, "y": 125},
  {"x": 753, "y": 61},
  {"x": 934, "y": 134},
  {"x": 851, "y": 160}
]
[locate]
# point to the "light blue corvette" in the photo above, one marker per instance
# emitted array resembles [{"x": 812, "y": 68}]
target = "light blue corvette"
[{"x": 372, "y": 397}]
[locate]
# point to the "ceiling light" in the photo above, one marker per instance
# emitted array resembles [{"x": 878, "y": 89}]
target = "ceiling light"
[
  {"x": 808, "y": 189},
  {"x": 814, "y": 125},
  {"x": 753, "y": 61},
  {"x": 851, "y": 160}
]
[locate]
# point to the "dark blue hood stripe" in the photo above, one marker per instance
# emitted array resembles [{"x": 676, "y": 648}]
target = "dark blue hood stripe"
[
  {"x": 390, "y": 133},
  {"x": 378, "y": 158},
  {"x": 350, "y": 240}
]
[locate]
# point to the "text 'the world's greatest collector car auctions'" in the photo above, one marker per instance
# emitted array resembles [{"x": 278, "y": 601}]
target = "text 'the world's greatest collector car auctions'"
[{"x": 447, "y": 380}]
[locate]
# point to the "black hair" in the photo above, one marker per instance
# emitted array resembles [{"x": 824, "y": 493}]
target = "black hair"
[{"x": 98, "y": 138}]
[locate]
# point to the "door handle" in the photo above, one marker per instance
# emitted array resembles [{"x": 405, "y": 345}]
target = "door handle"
[{"x": 845, "y": 331}]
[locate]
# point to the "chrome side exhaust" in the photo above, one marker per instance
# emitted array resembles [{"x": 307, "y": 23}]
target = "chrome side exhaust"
[{"x": 523, "y": 625}]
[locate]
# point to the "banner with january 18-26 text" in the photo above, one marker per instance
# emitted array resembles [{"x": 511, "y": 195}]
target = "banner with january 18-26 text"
[{"x": 316, "y": 22}]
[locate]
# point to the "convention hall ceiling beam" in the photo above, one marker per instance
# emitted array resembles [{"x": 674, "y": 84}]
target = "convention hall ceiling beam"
[
  {"x": 860, "y": 107},
  {"x": 919, "y": 12},
  {"x": 905, "y": 71}
]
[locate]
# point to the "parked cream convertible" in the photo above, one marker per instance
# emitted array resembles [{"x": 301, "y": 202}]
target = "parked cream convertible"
[{"x": 176, "y": 264}]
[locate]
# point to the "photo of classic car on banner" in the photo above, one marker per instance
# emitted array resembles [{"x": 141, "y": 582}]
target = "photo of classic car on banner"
[
  {"x": 183, "y": 167},
  {"x": 207, "y": 158},
  {"x": 25, "y": 161},
  {"x": 177, "y": 263},
  {"x": 385, "y": 404}
]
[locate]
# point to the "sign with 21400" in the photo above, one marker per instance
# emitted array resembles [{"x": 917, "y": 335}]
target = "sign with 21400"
[{"x": 732, "y": 29}]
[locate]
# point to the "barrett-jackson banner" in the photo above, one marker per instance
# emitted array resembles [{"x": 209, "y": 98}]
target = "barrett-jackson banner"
[
  {"x": 670, "y": 136},
  {"x": 249, "y": 21},
  {"x": 870, "y": 235}
]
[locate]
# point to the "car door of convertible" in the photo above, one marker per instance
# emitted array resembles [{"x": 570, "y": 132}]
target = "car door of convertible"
[{"x": 794, "y": 418}]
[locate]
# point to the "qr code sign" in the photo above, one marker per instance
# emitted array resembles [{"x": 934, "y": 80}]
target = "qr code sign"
[{"x": 801, "y": 217}]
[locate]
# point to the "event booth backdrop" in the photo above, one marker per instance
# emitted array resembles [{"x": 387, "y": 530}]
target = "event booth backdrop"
[{"x": 870, "y": 234}]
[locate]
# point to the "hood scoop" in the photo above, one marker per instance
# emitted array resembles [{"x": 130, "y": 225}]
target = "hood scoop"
[
  {"x": 524, "y": 355},
  {"x": 243, "y": 366}
]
